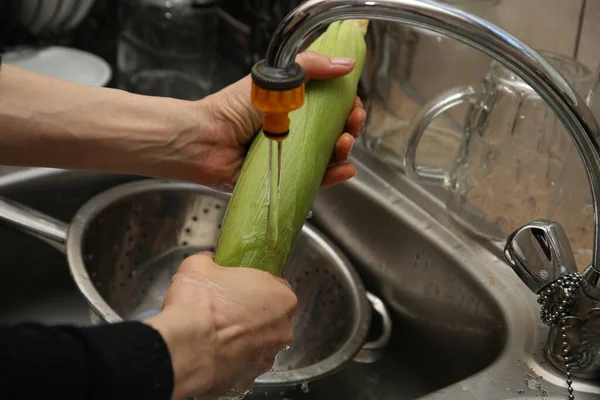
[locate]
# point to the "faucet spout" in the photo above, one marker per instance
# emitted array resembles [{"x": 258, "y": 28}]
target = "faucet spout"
[{"x": 515, "y": 55}]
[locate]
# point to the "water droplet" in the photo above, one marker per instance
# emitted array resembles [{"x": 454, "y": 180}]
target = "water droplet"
[
  {"x": 304, "y": 387},
  {"x": 286, "y": 348}
]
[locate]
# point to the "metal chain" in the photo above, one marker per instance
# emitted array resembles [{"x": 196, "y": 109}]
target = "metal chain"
[{"x": 556, "y": 301}]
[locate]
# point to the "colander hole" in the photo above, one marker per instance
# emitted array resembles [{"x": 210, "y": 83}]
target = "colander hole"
[
  {"x": 212, "y": 249},
  {"x": 142, "y": 224},
  {"x": 150, "y": 278},
  {"x": 184, "y": 243},
  {"x": 342, "y": 297},
  {"x": 185, "y": 255},
  {"x": 332, "y": 302},
  {"x": 205, "y": 211},
  {"x": 131, "y": 274},
  {"x": 217, "y": 206},
  {"x": 136, "y": 212},
  {"x": 188, "y": 230},
  {"x": 144, "y": 291},
  {"x": 122, "y": 267},
  {"x": 339, "y": 287},
  {"x": 135, "y": 263},
  {"x": 219, "y": 226},
  {"x": 307, "y": 273},
  {"x": 130, "y": 238},
  {"x": 318, "y": 270},
  {"x": 195, "y": 219},
  {"x": 122, "y": 284}
]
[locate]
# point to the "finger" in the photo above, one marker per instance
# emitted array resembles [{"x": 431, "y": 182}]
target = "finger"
[
  {"x": 337, "y": 174},
  {"x": 356, "y": 122},
  {"x": 342, "y": 149},
  {"x": 319, "y": 66}
]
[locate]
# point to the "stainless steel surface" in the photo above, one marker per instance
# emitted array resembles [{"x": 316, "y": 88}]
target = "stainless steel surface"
[
  {"x": 125, "y": 245},
  {"x": 507, "y": 50},
  {"x": 431, "y": 290},
  {"x": 465, "y": 327},
  {"x": 539, "y": 253}
]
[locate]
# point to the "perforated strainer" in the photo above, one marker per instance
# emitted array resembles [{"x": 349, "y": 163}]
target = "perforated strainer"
[{"x": 125, "y": 245}]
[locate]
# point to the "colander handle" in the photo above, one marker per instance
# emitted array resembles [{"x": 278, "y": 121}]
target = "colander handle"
[
  {"x": 373, "y": 350},
  {"x": 34, "y": 223}
]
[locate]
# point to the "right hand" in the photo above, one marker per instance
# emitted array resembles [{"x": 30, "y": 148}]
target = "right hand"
[{"x": 223, "y": 326}]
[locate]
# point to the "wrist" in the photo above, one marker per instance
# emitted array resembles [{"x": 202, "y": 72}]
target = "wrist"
[{"x": 190, "y": 343}]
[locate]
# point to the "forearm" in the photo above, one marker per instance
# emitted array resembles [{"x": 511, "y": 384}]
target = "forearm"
[
  {"x": 52, "y": 123},
  {"x": 121, "y": 361}
]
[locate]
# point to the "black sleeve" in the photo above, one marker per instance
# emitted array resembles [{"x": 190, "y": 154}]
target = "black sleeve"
[{"x": 128, "y": 360}]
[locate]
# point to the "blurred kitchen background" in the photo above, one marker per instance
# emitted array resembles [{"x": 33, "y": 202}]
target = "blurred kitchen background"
[{"x": 499, "y": 152}]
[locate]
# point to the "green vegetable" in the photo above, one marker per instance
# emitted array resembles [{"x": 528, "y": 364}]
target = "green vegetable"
[{"x": 314, "y": 130}]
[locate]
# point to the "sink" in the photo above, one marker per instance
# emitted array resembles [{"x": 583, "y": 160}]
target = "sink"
[{"x": 464, "y": 327}]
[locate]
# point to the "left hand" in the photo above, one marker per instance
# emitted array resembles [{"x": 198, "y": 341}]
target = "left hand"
[{"x": 235, "y": 121}]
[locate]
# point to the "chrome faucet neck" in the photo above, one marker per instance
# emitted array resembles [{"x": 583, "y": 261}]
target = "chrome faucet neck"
[{"x": 515, "y": 55}]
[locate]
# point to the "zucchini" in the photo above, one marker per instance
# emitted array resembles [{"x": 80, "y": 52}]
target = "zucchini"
[{"x": 314, "y": 130}]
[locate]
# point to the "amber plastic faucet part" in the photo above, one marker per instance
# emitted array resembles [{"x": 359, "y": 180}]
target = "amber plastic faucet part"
[{"x": 277, "y": 92}]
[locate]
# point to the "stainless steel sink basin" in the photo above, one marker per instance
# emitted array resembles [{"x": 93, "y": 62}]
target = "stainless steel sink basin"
[{"x": 464, "y": 327}]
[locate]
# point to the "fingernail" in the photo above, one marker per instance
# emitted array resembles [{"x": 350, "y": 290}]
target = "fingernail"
[{"x": 343, "y": 61}]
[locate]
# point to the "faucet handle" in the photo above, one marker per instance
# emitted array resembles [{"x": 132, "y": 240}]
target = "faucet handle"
[{"x": 540, "y": 253}]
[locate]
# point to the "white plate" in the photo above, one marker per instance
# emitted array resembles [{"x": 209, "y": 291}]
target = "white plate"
[{"x": 63, "y": 62}]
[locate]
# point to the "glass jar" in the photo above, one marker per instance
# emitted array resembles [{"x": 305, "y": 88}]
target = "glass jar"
[{"x": 167, "y": 48}]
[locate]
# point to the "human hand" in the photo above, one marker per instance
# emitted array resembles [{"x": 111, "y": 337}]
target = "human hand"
[
  {"x": 223, "y": 326},
  {"x": 235, "y": 121}
]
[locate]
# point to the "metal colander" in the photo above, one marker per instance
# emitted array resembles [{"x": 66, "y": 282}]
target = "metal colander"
[{"x": 125, "y": 245}]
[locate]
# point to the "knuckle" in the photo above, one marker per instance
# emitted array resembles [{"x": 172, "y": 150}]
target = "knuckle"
[
  {"x": 196, "y": 263},
  {"x": 291, "y": 302},
  {"x": 307, "y": 57}
]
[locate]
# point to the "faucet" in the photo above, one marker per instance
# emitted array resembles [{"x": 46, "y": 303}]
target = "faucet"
[{"x": 538, "y": 252}]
